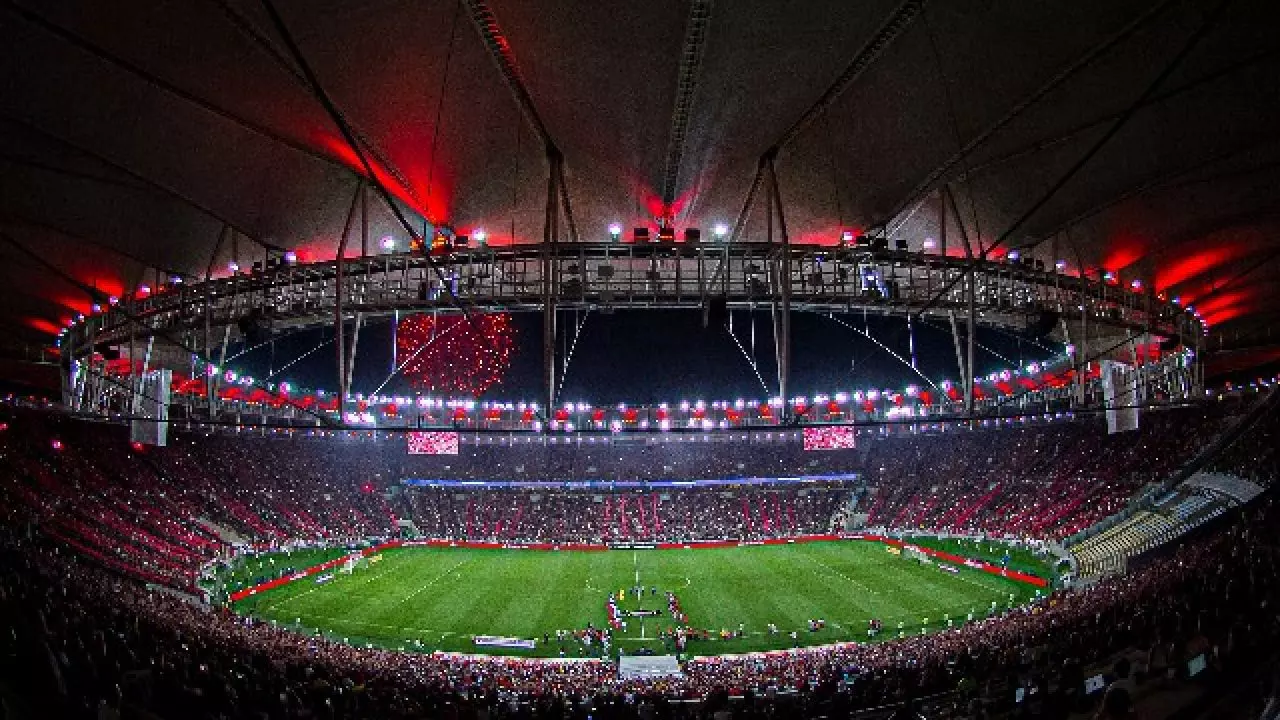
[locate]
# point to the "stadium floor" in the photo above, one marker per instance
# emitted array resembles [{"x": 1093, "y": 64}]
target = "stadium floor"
[{"x": 427, "y": 599}]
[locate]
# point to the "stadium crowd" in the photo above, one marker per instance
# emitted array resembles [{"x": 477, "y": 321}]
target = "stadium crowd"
[
  {"x": 100, "y": 644},
  {"x": 160, "y": 514},
  {"x": 586, "y": 516},
  {"x": 1037, "y": 481},
  {"x": 84, "y": 511}
]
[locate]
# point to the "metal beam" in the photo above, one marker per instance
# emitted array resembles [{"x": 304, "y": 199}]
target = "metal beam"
[
  {"x": 1022, "y": 105},
  {"x": 550, "y": 238},
  {"x": 969, "y": 377},
  {"x": 971, "y": 298},
  {"x": 351, "y": 354},
  {"x": 486, "y": 24},
  {"x": 246, "y": 26},
  {"x": 955, "y": 339},
  {"x": 565, "y": 206},
  {"x": 339, "y": 331},
  {"x": 139, "y": 177},
  {"x": 155, "y": 81},
  {"x": 892, "y": 28},
  {"x": 783, "y": 264},
  {"x": 695, "y": 39},
  {"x": 348, "y": 135},
  {"x": 1210, "y": 20}
]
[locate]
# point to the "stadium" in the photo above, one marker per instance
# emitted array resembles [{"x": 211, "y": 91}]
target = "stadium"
[{"x": 600, "y": 360}]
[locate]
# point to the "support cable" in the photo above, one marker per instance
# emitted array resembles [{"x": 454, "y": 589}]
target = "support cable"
[
  {"x": 444, "y": 87},
  {"x": 922, "y": 188},
  {"x": 1045, "y": 143},
  {"x": 413, "y": 357},
  {"x": 298, "y": 359},
  {"x": 882, "y": 346},
  {"x": 1192, "y": 42},
  {"x": 889, "y": 31},
  {"x": 171, "y": 192},
  {"x": 568, "y": 356},
  {"x": 323, "y": 97},
  {"x": 155, "y": 81},
  {"x": 99, "y": 297},
  {"x": 750, "y": 361},
  {"x": 246, "y": 26}
]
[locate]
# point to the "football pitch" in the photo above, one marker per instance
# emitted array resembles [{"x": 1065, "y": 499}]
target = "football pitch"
[{"x": 427, "y": 599}]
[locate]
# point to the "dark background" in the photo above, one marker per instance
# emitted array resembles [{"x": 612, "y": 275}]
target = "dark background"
[{"x": 643, "y": 356}]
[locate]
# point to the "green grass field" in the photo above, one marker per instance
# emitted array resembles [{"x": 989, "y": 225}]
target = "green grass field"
[{"x": 427, "y": 599}]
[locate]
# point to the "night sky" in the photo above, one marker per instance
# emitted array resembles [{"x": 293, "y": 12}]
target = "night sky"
[{"x": 644, "y": 356}]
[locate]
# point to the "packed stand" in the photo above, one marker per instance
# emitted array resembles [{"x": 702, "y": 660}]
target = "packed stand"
[
  {"x": 1040, "y": 481},
  {"x": 93, "y": 644},
  {"x": 593, "y": 516},
  {"x": 161, "y": 514}
]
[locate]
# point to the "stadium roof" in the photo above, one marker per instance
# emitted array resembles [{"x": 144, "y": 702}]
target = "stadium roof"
[{"x": 132, "y": 132}]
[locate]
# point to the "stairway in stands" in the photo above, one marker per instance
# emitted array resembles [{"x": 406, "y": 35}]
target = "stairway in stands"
[{"x": 223, "y": 532}]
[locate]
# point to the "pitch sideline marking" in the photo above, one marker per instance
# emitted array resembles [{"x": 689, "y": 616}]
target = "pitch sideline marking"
[
  {"x": 834, "y": 571},
  {"x": 364, "y": 623},
  {"x": 433, "y": 581},
  {"x": 285, "y": 601}
]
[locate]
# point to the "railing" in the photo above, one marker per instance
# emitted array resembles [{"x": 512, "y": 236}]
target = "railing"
[{"x": 607, "y": 275}]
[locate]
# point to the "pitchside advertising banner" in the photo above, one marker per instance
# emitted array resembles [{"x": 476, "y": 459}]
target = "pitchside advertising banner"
[
  {"x": 424, "y": 442},
  {"x": 641, "y": 484}
]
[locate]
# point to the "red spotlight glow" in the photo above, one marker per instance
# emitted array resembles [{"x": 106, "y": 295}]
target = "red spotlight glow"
[{"x": 1195, "y": 264}]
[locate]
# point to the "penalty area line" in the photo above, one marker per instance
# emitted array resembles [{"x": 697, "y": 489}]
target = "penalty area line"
[
  {"x": 285, "y": 601},
  {"x": 424, "y": 631},
  {"x": 837, "y": 573},
  {"x": 433, "y": 581}
]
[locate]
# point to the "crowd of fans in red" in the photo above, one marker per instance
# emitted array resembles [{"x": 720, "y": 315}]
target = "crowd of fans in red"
[
  {"x": 157, "y": 513},
  {"x": 92, "y": 641},
  {"x": 161, "y": 513},
  {"x": 1037, "y": 481},
  {"x": 585, "y": 516}
]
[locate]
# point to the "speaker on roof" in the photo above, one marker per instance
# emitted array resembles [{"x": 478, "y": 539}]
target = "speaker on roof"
[
  {"x": 692, "y": 235},
  {"x": 640, "y": 235}
]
